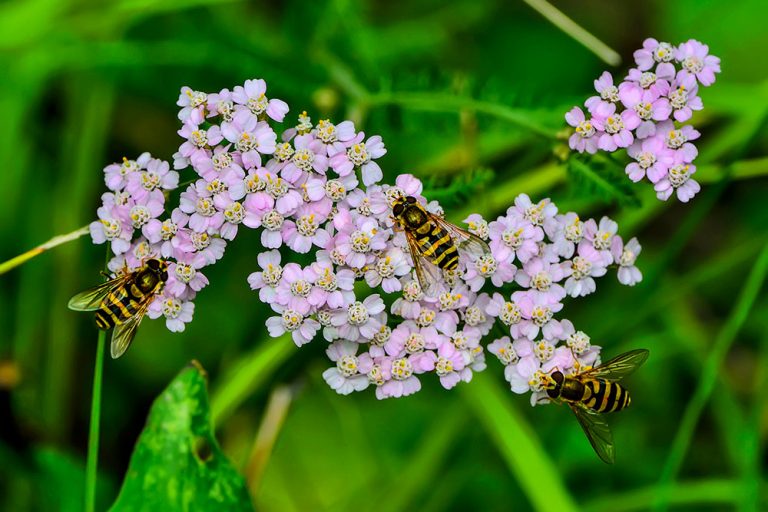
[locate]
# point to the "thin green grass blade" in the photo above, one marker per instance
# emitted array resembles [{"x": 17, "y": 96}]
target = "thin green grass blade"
[
  {"x": 426, "y": 465},
  {"x": 518, "y": 444},
  {"x": 715, "y": 493},
  {"x": 247, "y": 375},
  {"x": 706, "y": 384},
  {"x": 570, "y": 27}
]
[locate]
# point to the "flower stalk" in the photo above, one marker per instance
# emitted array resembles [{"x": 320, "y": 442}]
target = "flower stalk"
[{"x": 40, "y": 249}]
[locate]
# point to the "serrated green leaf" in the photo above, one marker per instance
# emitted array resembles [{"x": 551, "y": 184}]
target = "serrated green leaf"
[
  {"x": 177, "y": 464},
  {"x": 602, "y": 180}
]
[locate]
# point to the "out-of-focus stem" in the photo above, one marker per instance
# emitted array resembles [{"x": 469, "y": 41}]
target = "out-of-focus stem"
[
  {"x": 50, "y": 244},
  {"x": 570, "y": 27},
  {"x": 93, "y": 434},
  {"x": 274, "y": 417}
]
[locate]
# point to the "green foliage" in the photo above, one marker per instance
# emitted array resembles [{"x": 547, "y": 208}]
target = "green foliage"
[
  {"x": 177, "y": 463},
  {"x": 469, "y": 96},
  {"x": 459, "y": 189},
  {"x": 602, "y": 179}
]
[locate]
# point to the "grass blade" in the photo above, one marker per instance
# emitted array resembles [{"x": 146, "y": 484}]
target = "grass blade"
[
  {"x": 706, "y": 384},
  {"x": 518, "y": 444},
  {"x": 247, "y": 375},
  {"x": 570, "y": 27}
]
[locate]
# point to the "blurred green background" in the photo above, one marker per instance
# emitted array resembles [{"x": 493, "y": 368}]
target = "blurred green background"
[{"x": 87, "y": 82}]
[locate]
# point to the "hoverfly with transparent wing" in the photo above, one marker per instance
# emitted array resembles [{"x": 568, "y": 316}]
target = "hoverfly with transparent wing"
[
  {"x": 434, "y": 243},
  {"x": 594, "y": 392},
  {"x": 122, "y": 302}
]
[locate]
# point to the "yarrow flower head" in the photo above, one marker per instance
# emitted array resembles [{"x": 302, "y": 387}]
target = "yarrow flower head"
[
  {"x": 640, "y": 114},
  {"x": 335, "y": 264}
]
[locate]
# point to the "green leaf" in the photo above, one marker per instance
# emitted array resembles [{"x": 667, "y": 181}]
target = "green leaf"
[
  {"x": 604, "y": 180},
  {"x": 177, "y": 463}
]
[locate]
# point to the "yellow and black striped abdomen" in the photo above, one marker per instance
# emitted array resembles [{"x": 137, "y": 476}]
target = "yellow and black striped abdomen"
[
  {"x": 435, "y": 244},
  {"x": 605, "y": 396},
  {"x": 120, "y": 305}
]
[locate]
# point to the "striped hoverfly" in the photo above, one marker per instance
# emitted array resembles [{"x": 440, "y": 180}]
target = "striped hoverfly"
[
  {"x": 121, "y": 302},
  {"x": 435, "y": 244},
  {"x": 594, "y": 392}
]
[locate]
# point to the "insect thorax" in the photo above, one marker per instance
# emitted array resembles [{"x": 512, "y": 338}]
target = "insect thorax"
[
  {"x": 147, "y": 280},
  {"x": 414, "y": 216},
  {"x": 572, "y": 390}
]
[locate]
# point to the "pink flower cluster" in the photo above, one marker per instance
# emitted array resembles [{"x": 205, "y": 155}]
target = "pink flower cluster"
[
  {"x": 314, "y": 193},
  {"x": 645, "y": 112}
]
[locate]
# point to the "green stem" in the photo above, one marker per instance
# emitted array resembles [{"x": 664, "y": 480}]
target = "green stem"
[
  {"x": 93, "y": 434},
  {"x": 50, "y": 244},
  {"x": 570, "y": 27},
  {"x": 442, "y": 102},
  {"x": 706, "y": 384}
]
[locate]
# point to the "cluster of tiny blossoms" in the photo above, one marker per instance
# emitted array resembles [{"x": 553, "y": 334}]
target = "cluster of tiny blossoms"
[
  {"x": 316, "y": 191},
  {"x": 645, "y": 114}
]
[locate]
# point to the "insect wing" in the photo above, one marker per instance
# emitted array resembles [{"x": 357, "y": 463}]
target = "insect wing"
[
  {"x": 91, "y": 299},
  {"x": 429, "y": 276},
  {"x": 124, "y": 333},
  {"x": 466, "y": 242},
  {"x": 620, "y": 366},
  {"x": 598, "y": 433}
]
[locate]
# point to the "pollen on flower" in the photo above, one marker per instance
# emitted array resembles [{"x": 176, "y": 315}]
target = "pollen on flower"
[
  {"x": 443, "y": 366},
  {"x": 580, "y": 268},
  {"x": 585, "y": 129},
  {"x": 307, "y": 225},
  {"x": 171, "y": 307},
  {"x": 578, "y": 342},
  {"x": 382, "y": 335},
  {"x": 426, "y": 317},
  {"x": 544, "y": 350},
  {"x": 361, "y": 241},
  {"x": 541, "y": 315},
  {"x": 326, "y": 131},
  {"x": 234, "y": 213},
  {"x": 185, "y": 273},
  {"x": 414, "y": 343},
  {"x": 679, "y": 174},
  {"x": 510, "y": 314},
  {"x": 200, "y": 241},
  {"x": 486, "y": 265},
  {"x": 111, "y": 228},
  {"x": 301, "y": 288},
  {"x": 284, "y": 151},
  {"x": 358, "y": 155},
  {"x": 199, "y": 138},
  {"x": 254, "y": 184},
  {"x": 507, "y": 354},
  {"x": 401, "y": 369},
  {"x": 272, "y": 274},
  {"x": 474, "y": 316},
  {"x": 305, "y": 124},
  {"x": 376, "y": 375},
  {"x": 272, "y": 220},
  {"x": 292, "y": 319},
  {"x": 303, "y": 159},
  {"x": 357, "y": 313},
  {"x": 347, "y": 365},
  {"x": 540, "y": 381},
  {"x": 541, "y": 281},
  {"x": 335, "y": 190},
  {"x": 204, "y": 206}
]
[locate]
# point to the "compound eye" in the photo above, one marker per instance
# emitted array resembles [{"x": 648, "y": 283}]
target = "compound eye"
[
  {"x": 153, "y": 264},
  {"x": 164, "y": 276},
  {"x": 398, "y": 209},
  {"x": 558, "y": 377},
  {"x": 410, "y": 199}
]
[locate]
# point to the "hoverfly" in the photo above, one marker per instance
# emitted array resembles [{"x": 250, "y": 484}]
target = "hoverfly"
[
  {"x": 122, "y": 301},
  {"x": 434, "y": 243},
  {"x": 594, "y": 392}
]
